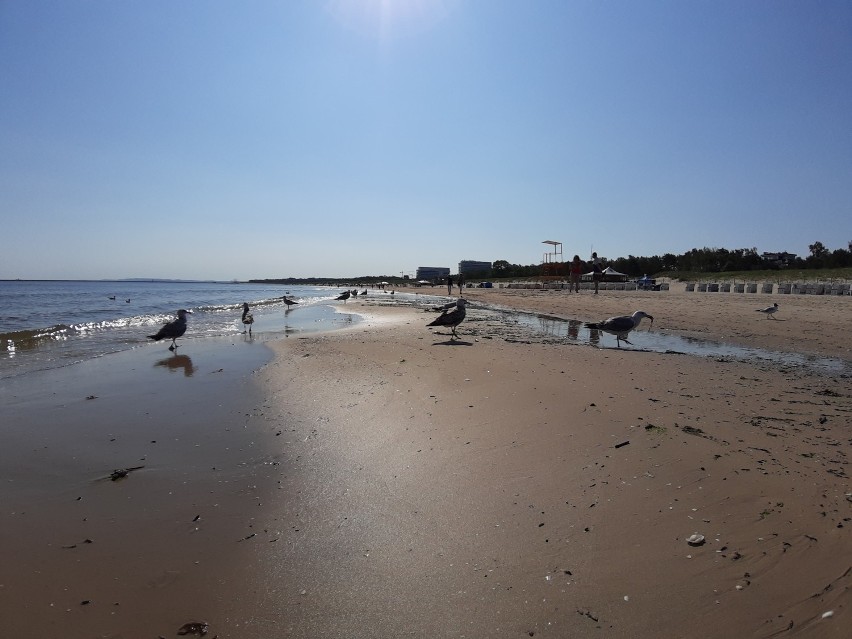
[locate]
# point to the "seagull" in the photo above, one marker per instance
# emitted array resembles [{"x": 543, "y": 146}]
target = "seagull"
[
  {"x": 343, "y": 296},
  {"x": 452, "y": 318},
  {"x": 769, "y": 311},
  {"x": 248, "y": 318},
  {"x": 112, "y": 297},
  {"x": 620, "y": 326},
  {"x": 289, "y": 302},
  {"x": 172, "y": 330}
]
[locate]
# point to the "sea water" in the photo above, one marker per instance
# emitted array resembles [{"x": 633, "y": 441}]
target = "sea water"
[{"x": 50, "y": 324}]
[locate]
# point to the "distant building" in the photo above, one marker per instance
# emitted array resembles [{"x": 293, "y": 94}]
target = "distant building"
[
  {"x": 472, "y": 268},
  {"x": 432, "y": 272},
  {"x": 779, "y": 259}
]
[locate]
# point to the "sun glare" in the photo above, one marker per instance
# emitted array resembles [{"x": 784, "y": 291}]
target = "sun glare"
[{"x": 389, "y": 19}]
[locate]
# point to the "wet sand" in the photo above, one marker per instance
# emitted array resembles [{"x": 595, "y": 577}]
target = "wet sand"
[
  {"x": 86, "y": 556},
  {"x": 387, "y": 481}
]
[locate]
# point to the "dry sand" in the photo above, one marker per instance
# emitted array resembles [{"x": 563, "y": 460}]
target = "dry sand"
[{"x": 387, "y": 481}]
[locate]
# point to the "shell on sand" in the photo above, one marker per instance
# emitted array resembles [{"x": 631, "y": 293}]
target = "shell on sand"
[{"x": 695, "y": 540}]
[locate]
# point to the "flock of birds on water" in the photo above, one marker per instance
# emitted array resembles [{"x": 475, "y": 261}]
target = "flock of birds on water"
[{"x": 452, "y": 314}]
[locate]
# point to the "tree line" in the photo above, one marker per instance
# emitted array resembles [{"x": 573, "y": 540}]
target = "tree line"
[{"x": 703, "y": 260}]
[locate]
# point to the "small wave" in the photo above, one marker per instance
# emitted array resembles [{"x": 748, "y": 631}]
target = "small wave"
[
  {"x": 70, "y": 322},
  {"x": 31, "y": 339}
]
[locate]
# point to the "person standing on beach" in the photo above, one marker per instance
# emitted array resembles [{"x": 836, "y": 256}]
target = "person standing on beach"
[
  {"x": 461, "y": 283},
  {"x": 576, "y": 269},
  {"x": 449, "y": 284},
  {"x": 597, "y": 271}
]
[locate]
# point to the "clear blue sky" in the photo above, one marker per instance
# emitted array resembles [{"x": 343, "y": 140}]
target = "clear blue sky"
[{"x": 298, "y": 138}]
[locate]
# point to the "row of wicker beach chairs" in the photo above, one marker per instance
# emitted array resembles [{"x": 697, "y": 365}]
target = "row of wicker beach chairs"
[{"x": 782, "y": 288}]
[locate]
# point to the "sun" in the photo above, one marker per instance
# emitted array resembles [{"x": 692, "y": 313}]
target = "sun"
[{"x": 390, "y": 19}]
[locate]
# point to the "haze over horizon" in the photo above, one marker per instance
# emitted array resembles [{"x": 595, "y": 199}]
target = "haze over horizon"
[{"x": 223, "y": 140}]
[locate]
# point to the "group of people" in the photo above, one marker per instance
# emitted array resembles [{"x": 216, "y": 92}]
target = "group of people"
[
  {"x": 450, "y": 284},
  {"x": 576, "y": 268}
]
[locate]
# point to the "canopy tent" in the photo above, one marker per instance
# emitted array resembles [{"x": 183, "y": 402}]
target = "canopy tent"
[{"x": 609, "y": 274}]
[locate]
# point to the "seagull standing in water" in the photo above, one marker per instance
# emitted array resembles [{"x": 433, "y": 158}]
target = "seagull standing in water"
[
  {"x": 289, "y": 302},
  {"x": 172, "y": 330},
  {"x": 620, "y": 326},
  {"x": 248, "y": 318},
  {"x": 343, "y": 296},
  {"x": 769, "y": 311},
  {"x": 452, "y": 318}
]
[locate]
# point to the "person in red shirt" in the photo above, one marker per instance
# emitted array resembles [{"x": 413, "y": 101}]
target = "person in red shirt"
[{"x": 576, "y": 272}]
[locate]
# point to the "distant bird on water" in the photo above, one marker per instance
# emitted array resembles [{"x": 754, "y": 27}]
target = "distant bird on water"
[
  {"x": 289, "y": 302},
  {"x": 112, "y": 297},
  {"x": 172, "y": 330},
  {"x": 248, "y": 318},
  {"x": 343, "y": 296},
  {"x": 452, "y": 318},
  {"x": 620, "y": 326},
  {"x": 769, "y": 311}
]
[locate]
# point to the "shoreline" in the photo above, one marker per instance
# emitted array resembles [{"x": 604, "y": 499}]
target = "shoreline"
[{"x": 383, "y": 480}]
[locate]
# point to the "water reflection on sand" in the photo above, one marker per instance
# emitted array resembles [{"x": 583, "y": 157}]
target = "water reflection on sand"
[{"x": 659, "y": 342}]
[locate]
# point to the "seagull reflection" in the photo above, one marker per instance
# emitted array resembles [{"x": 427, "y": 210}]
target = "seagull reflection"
[
  {"x": 177, "y": 362},
  {"x": 574, "y": 329},
  {"x": 594, "y": 337}
]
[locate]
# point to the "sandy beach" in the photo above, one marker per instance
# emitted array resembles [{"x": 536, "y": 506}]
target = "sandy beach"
[{"x": 388, "y": 481}]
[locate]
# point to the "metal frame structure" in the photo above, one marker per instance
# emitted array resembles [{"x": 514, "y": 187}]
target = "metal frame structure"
[{"x": 552, "y": 263}]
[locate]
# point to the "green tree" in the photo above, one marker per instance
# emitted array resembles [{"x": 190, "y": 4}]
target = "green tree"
[
  {"x": 501, "y": 268},
  {"x": 818, "y": 250},
  {"x": 818, "y": 255}
]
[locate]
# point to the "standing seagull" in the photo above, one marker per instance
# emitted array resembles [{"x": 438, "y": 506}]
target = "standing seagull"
[
  {"x": 289, "y": 302},
  {"x": 451, "y": 318},
  {"x": 769, "y": 311},
  {"x": 172, "y": 330},
  {"x": 343, "y": 296},
  {"x": 248, "y": 318},
  {"x": 620, "y": 326}
]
